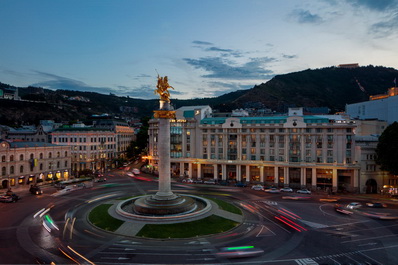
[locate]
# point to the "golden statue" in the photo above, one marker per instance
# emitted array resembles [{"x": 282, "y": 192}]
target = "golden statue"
[{"x": 162, "y": 88}]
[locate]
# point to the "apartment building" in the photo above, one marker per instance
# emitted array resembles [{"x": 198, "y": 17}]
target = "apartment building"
[{"x": 296, "y": 150}]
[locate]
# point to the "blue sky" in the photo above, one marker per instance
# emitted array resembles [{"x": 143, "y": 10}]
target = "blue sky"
[{"x": 206, "y": 48}]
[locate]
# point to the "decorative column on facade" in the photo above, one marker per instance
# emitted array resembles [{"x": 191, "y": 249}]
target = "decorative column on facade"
[
  {"x": 313, "y": 182},
  {"x": 199, "y": 170},
  {"x": 334, "y": 179},
  {"x": 276, "y": 175},
  {"x": 261, "y": 174},
  {"x": 182, "y": 169},
  {"x": 215, "y": 171},
  {"x": 286, "y": 179},
  {"x": 356, "y": 181},
  {"x": 223, "y": 171},
  {"x": 302, "y": 177},
  {"x": 190, "y": 171},
  {"x": 238, "y": 172},
  {"x": 247, "y": 172}
]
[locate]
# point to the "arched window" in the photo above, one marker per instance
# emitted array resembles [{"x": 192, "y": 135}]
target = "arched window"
[
  {"x": 41, "y": 166},
  {"x": 20, "y": 157},
  {"x": 41, "y": 155},
  {"x": 57, "y": 164},
  {"x": 66, "y": 153},
  {"x": 11, "y": 157},
  {"x": 32, "y": 156},
  {"x": 21, "y": 169},
  {"x": 12, "y": 170},
  {"x": 3, "y": 158},
  {"x": 50, "y": 155},
  {"x": 3, "y": 171},
  {"x": 58, "y": 154},
  {"x": 66, "y": 163}
]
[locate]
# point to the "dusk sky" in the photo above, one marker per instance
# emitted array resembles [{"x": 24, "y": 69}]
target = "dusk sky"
[{"x": 206, "y": 47}]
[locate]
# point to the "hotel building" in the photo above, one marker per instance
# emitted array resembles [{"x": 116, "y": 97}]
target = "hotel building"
[{"x": 296, "y": 150}]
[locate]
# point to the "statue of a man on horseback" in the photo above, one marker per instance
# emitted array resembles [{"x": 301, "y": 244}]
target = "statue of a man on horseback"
[{"x": 162, "y": 88}]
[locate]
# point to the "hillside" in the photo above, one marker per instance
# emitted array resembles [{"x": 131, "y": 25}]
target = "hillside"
[{"x": 330, "y": 87}]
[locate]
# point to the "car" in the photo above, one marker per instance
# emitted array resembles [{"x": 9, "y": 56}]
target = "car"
[
  {"x": 35, "y": 190},
  {"x": 286, "y": 189},
  {"x": 354, "y": 205},
  {"x": 239, "y": 252},
  {"x": 136, "y": 171},
  {"x": 272, "y": 190},
  {"x": 304, "y": 191},
  {"x": 9, "y": 198},
  {"x": 376, "y": 205},
  {"x": 241, "y": 184},
  {"x": 340, "y": 209},
  {"x": 210, "y": 181},
  {"x": 100, "y": 179},
  {"x": 257, "y": 187},
  {"x": 198, "y": 181},
  {"x": 187, "y": 180},
  {"x": 224, "y": 183}
]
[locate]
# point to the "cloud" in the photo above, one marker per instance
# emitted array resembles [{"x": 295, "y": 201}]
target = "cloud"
[
  {"x": 198, "y": 42},
  {"x": 59, "y": 82},
  {"x": 385, "y": 28},
  {"x": 286, "y": 56},
  {"x": 305, "y": 17},
  {"x": 375, "y": 5},
  {"x": 221, "y": 68}
]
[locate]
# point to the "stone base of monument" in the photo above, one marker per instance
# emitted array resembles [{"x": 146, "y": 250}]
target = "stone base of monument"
[
  {"x": 152, "y": 205},
  {"x": 148, "y": 208}
]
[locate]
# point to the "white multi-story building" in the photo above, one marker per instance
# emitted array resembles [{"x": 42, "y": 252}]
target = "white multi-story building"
[
  {"x": 24, "y": 163},
  {"x": 382, "y": 107},
  {"x": 317, "y": 152}
]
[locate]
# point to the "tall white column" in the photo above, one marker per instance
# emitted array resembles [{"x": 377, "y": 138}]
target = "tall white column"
[
  {"x": 199, "y": 171},
  {"x": 334, "y": 180},
  {"x": 223, "y": 171},
  {"x": 247, "y": 173},
  {"x": 215, "y": 170},
  {"x": 164, "y": 191},
  {"x": 238, "y": 172},
  {"x": 276, "y": 175}
]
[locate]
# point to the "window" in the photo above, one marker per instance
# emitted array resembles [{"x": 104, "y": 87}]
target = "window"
[
  {"x": 21, "y": 169},
  {"x": 3, "y": 171},
  {"x": 41, "y": 155},
  {"x": 66, "y": 153},
  {"x": 66, "y": 163},
  {"x": 41, "y": 166},
  {"x": 21, "y": 157},
  {"x": 3, "y": 158},
  {"x": 32, "y": 156},
  {"x": 58, "y": 154},
  {"x": 12, "y": 170},
  {"x": 50, "y": 155},
  {"x": 11, "y": 158}
]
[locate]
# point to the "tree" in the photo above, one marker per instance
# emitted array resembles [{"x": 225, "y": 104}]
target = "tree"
[{"x": 387, "y": 149}]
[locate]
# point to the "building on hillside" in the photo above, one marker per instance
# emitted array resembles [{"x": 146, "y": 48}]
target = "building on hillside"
[
  {"x": 348, "y": 65},
  {"x": 24, "y": 163},
  {"x": 383, "y": 108},
  {"x": 9, "y": 93},
  {"x": 31, "y": 133},
  {"x": 295, "y": 150}
]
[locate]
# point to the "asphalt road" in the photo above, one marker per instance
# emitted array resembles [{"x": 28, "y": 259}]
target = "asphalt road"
[{"x": 288, "y": 231}]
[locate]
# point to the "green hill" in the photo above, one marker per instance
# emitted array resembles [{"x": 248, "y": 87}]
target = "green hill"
[{"x": 330, "y": 87}]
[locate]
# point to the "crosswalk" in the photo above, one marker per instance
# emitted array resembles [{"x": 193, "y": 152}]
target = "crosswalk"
[{"x": 306, "y": 261}]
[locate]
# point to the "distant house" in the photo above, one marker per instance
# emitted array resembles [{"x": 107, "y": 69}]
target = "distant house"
[
  {"x": 348, "y": 65},
  {"x": 9, "y": 93}
]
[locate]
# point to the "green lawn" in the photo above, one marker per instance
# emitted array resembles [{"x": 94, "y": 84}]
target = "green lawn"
[
  {"x": 207, "y": 226},
  {"x": 226, "y": 206},
  {"x": 99, "y": 217}
]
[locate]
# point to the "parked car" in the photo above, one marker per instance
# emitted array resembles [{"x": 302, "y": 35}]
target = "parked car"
[
  {"x": 286, "y": 189},
  {"x": 187, "y": 180},
  {"x": 198, "y": 181},
  {"x": 304, "y": 191},
  {"x": 9, "y": 197},
  {"x": 36, "y": 190},
  {"x": 224, "y": 183},
  {"x": 210, "y": 181},
  {"x": 354, "y": 205},
  {"x": 376, "y": 205},
  {"x": 257, "y": 187},
  {"x": 241, "y": 184},
  {"x": 272, "y": 190}
]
